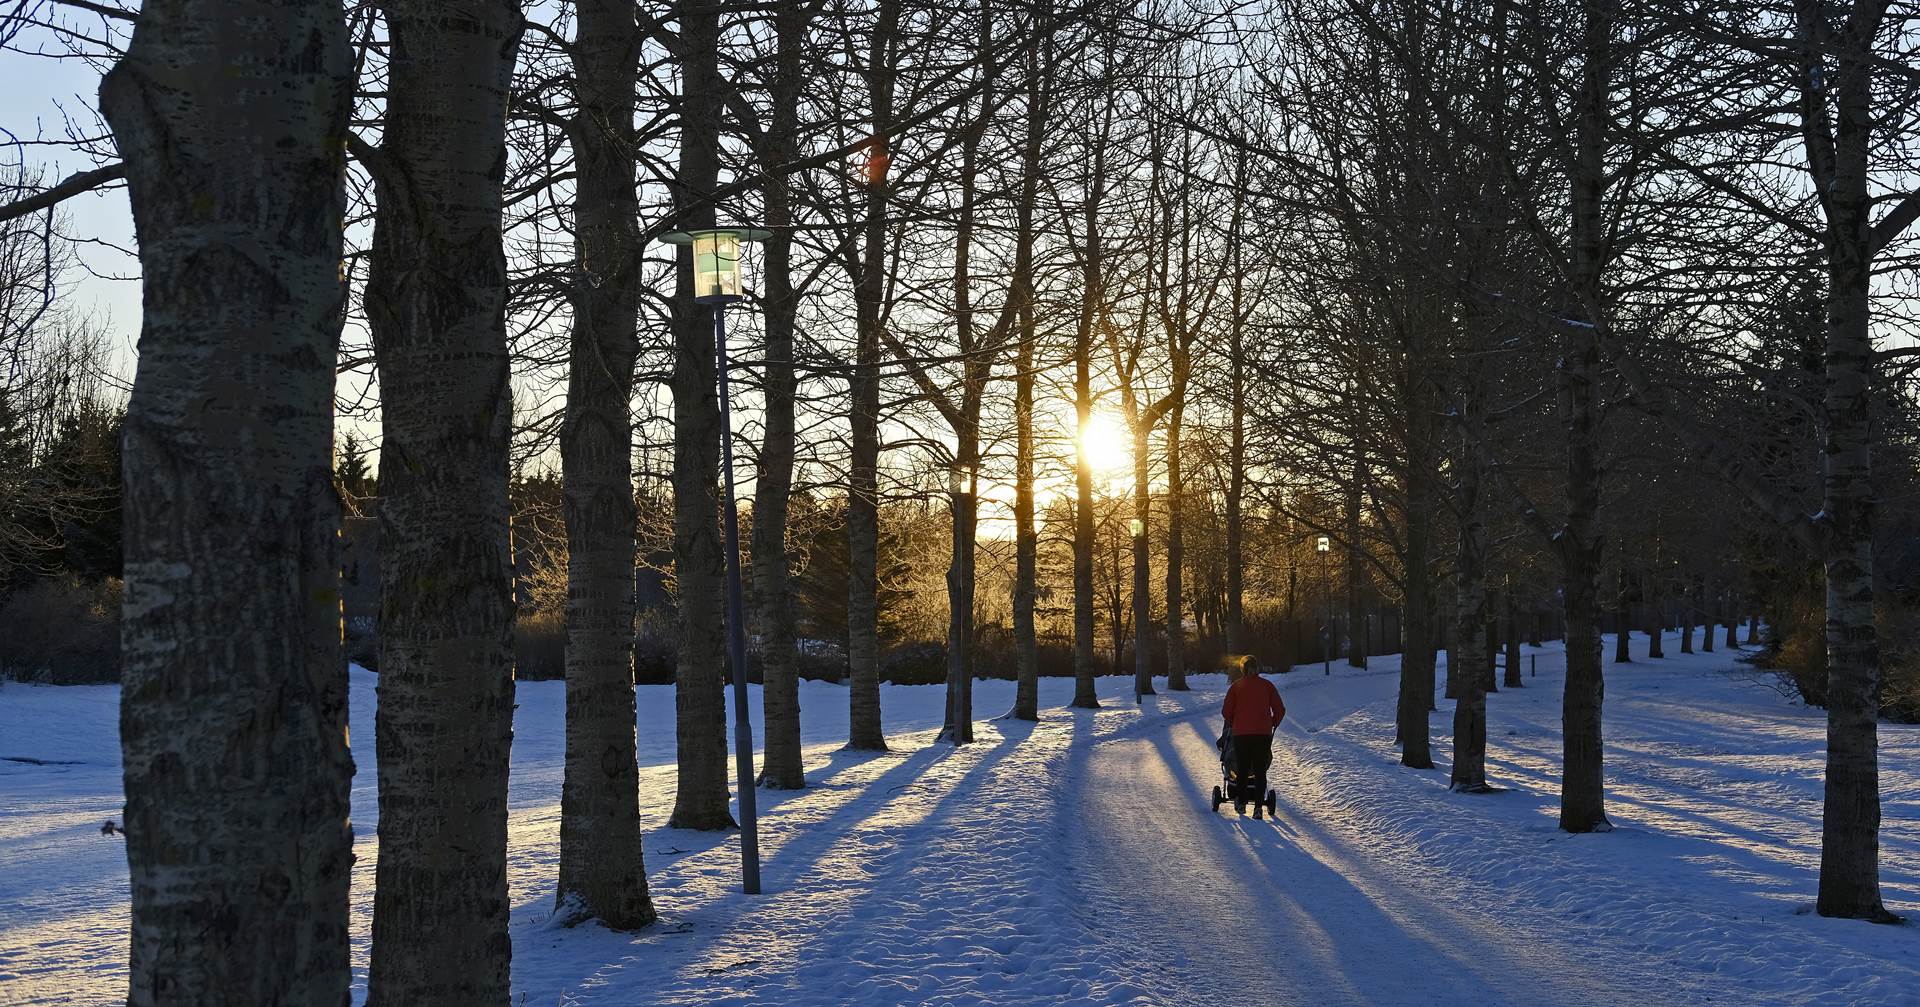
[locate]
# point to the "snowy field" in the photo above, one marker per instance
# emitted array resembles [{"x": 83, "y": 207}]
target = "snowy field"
[{"x": 1076, "y": 860}]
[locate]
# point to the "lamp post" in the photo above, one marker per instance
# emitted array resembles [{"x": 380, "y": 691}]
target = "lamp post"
[
  {"x": 716, "y": 281},
  {"x": 1324, "y": 546}
]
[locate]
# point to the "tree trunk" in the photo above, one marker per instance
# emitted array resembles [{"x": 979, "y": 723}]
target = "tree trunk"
[
  {"x": 1686, "y": 616},
  {"x": 863, "y": 472},
  {"x": 1706, "y": 616},
  {"x": 1355, "y": 562},
  {"x": 602, "y": 875},
  {"x": 436, "y": 306},
  {"x": 1084, "y": 694},
  {"x": 1416, "y": 660},
  {"x": 1850, "y": 832},
  {"x": 1467, "y": 660},
  {"x": 780, "y": 766},
  {"x": 699, "y": 685},
  {"x": 1026, "y": 650},
  {"x": 960, "y": 581},
  {"x": 1235, "y": 615},
  {"x": 1656, "y": 622},
  {"x": 1623, "y": 621},
  {"x": 1582, "y": 787},
  {"x": 1176, "y": 556},
  {"x": 1513, "y": 680},
  {"x": 1142, "y": 571},
  {"x": 230, "y": 629}
]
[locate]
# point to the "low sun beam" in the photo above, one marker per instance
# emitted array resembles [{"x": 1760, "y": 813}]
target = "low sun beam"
[{"x": 1105, "y": 442}]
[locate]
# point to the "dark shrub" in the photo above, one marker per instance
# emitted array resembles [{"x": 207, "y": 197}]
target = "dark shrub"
[{"x": 62, "y": 631}]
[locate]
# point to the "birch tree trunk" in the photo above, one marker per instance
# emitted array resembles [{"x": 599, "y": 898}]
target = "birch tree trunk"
[
  {"x": 1467, "y": 660},
  {"x": 602, "y": 872},
  {"x": 699, "y": 691},
  {"x": 863, "y": 481},
  {"x": 1839, "y": 155},
  {"x": 781, "y": 767},
  {"x": 233, "y": 721},
  {"x": 436, "y": 306}
]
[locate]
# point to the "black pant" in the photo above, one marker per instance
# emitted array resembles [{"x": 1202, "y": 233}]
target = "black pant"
[{"x": 1252, "y": 754}]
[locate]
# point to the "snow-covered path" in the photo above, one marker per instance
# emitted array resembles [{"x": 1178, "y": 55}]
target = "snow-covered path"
[
  {"x": 1076, "y": 861},
  {"x": 1284, "y": 906}
]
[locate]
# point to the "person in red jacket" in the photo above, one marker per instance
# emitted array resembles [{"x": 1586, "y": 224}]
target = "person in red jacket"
[{"x": 1253, "y": 710}]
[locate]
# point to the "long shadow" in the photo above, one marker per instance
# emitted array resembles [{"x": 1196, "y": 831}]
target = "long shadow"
[
  {"x": 1276, "y": 851},
  {"x": 788, "y": 863},
  {"x": 665, "y": 847},
  {"x": 939, "y": 814}
]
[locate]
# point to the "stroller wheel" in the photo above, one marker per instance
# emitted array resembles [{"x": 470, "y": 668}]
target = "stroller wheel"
[{"x": 1218, "y": 797}]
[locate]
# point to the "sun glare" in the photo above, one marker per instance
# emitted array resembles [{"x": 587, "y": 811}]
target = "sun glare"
[{"x": 1107, "y": 446}]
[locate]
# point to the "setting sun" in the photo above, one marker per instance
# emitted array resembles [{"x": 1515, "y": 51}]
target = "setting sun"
[{"x": 1106, "y": 444}]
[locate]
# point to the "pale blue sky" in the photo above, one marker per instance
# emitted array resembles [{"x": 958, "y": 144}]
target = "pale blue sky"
[{"x": 34, "y": 90}]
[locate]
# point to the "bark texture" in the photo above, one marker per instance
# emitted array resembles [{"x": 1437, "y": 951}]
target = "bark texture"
[
  {"x": 1839, "y": 154},
  {"x": 701, "y": 801},
  {"x": 231, "y": 116},
  {"x": 602, "y": 873},
  {"x": 863, "y": 473},
  {"x": 1466, "y": 663},
  {"x": 1582, "y": 786},
  {"x": 436, "y": 304},
  {"x": 1091, "y": 286},
  {"x": 1176, "y": 556},
  {"x": 781, "y": 766}
]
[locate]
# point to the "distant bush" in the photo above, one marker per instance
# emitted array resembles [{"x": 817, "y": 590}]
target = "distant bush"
[
  {"x": 1900, "y": 664},
  {"x": 63, "y": 631},
  {"x": 1800, "y": 657},
  {"x": 540, "y": 646},
  {"x": 914, "y": 664}
]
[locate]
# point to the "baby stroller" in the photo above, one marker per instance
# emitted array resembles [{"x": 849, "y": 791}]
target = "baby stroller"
[{"x": 1242, "y": 791}]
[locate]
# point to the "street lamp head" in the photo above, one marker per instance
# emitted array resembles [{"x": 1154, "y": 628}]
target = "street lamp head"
[
  {"x": 1136, "y": 528},
  {"x": 1323, "y": 545},
  {"x": 716, "y": 260}
]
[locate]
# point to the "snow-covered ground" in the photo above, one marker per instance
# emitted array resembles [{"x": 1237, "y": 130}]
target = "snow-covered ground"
[{"x": 1077, "y": 861}]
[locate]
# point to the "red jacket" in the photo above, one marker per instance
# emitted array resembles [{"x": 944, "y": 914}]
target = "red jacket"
[{"x": 1253, "y": 706}]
